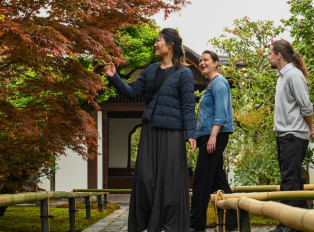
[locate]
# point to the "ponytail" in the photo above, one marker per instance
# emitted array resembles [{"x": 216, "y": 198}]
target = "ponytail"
[
  {"x": 287, "y": 52},
  {"x": 171, "y": 35},
  {"x": 298, "y": 62}
]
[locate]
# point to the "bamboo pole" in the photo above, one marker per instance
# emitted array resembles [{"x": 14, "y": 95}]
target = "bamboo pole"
[
  {"x": 99, "y": 201},
  {"x": 252, "y": 188},
  {"x": 298, "y": 218},
  {"x": 72, "y": 212},
  {"x": 44, "y": 215},
  {"x": 264, "y": 188},
  {"x": 21, "y": 198},
  {"x": 273, "y": 196},
  {"x": 104, "y": 190},
  {"x": 88, "y": 207}
]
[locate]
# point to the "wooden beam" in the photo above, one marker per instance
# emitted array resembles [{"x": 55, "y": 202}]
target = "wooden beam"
[
  {"x": 92, "y": 164},
  {"x": 123, "y": 107},
  {"x": 105, "y": 149}
]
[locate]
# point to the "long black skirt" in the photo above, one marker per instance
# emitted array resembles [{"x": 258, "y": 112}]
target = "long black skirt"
[{"x": 160, "y": 191}]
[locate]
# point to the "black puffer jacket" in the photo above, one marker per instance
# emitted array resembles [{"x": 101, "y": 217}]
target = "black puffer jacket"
[{"x": 173, "y": 106}]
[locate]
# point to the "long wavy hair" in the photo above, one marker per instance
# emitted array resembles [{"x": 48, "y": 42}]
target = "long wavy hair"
[{"x": 286, "y": 50}]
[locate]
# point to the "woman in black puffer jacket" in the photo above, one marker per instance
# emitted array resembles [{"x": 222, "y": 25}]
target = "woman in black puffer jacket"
[{"x": 160, "y": 192}]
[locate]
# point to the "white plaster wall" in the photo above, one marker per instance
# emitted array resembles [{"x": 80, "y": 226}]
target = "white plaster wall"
[
  {"x": 119, "y": 129},
  {"x": 72, "y": 172},
  {"x": 45, "y": 184},
  {"x": 99, "y": 162}
]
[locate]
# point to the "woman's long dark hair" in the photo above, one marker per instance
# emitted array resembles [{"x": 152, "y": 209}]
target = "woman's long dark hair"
[
  {"x": 287, "y": 52},
  {"x": 170, "y": 35}
]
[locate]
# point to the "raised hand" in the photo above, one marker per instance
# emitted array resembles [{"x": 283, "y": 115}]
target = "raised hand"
[{"x": 109, "y": 68}]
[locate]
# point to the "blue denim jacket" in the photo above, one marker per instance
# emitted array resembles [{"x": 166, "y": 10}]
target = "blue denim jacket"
[{"x": 215, "y": 107}]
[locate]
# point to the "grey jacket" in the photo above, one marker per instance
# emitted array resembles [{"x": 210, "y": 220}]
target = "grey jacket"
[{"x": 292, "y": 103}]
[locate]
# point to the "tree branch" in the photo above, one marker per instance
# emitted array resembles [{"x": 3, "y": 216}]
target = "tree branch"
[
  {"x": 6, "y": 64},
  {"x": 30, "y": 13}
]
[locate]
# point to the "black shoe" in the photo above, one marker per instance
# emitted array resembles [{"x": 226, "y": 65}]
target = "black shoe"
[
  {"x": 229, "y": 229},
  {"x": 232, "y": 229},
  {"x": 193, "y": 230},
  {"x": 281, "y": 228}
]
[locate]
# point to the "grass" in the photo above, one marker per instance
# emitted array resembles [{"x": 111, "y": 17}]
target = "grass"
[
  {"x": 27, "y": 219},
  {"x": 256, "y": 221}
]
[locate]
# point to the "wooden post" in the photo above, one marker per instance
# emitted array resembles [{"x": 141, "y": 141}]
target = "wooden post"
[
  {"x": 44, "y": 215},
  {"x": 105, "y": 200},
  {"x": 72, "y": 212},
  {"x": 99, "y": 200},
  {"x": 244, "y": 221},
  {"x": 221, "y": 224},
  {"x": 87, "y": 207}
]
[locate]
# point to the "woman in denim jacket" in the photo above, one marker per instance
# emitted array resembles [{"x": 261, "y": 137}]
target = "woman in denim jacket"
[
  {"x": 214, "y": 124},
  {"x": 160, "y": 191}
]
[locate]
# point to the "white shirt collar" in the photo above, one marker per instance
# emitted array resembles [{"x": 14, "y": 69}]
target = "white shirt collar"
[{"x": 285, "y": 69}]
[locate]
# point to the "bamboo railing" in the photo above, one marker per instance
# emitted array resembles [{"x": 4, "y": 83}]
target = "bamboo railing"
[
  {"x": 44, "y": 197},
  {"x": 262, "y": 204},
  {"x": 297, "y": 218},
  {"x": 270, "y": 196},
  {"x": 264, "y": 188},
  {"x": 234, "y": 189},
  {"x": 103, "y": 190}
]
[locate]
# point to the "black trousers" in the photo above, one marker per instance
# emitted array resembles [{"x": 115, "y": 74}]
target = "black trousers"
[
  {"x": 209, "y": 177},
  {"x": 291, "y": 153}
]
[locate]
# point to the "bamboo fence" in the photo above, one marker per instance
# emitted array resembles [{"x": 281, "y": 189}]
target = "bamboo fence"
[
  {"x": 297, "y": 218},
  {"x": 263, "y": 188},
  {"x": 44, "y": 197},
  {"x": 269, "y": 196}
]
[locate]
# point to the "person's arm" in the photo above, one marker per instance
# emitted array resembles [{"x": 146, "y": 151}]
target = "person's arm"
[
  {"x": 299, "y": 89},
  {"x": 211, "y": 144},
  {"x": 137, "y": 89},
  {"x": 187, "y": 100},
  {"x": 309, "y": 121},
  {"x": 220, "y": 92}
]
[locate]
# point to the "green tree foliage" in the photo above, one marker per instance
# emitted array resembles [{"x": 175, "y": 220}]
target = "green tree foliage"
[
  {"x": 44, "y": 46},
  {"x": 137, "y": 43},
  {"x": 301, "y": 25},
  {"x": 252, "y": 148}
]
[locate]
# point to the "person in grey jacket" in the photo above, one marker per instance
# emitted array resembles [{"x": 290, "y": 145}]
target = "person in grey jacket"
[
  {"x": 160, "y": 191},
  {"x": 293, "y": 118}
]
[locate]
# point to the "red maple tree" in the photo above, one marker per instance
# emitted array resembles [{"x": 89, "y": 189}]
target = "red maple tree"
[{"x": 42, "y": 77}]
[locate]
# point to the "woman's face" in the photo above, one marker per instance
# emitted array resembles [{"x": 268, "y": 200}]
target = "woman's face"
[
  {"x": 207, "y": 65},
  {"x": 161, "y": 47}
]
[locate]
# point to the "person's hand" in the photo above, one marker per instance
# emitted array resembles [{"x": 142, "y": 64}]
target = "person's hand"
[
  {"x": 109, "y": 68},
  {"x": 211, "y": 144},
  {"x": 192, "y": 143},
  {"x": 312, "y": 132}
]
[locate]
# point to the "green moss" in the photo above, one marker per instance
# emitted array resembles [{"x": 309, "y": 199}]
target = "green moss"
[
  {"x": 26, "y": 219},
  {"x": 256, "y": 221}
]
